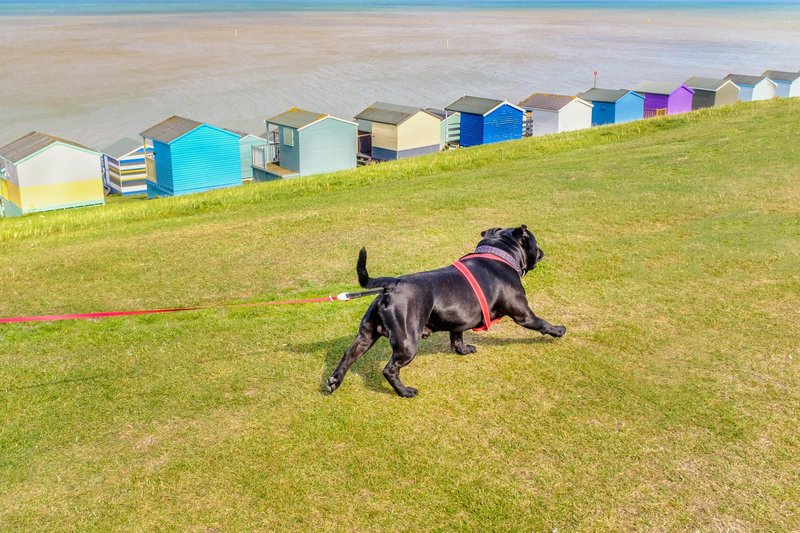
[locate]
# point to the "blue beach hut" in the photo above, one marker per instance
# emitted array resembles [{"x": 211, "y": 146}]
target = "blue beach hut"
[
  {"x": 246, "y": 143},
  {"x": 614, "y": 106},
  {"x": 302, "y": 143},
  {"x": 190, "y": 156},
  {"x": 485, "y": 121}
]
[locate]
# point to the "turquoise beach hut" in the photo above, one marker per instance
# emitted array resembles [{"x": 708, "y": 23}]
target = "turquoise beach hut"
[
  {"x": 302, "y": 143},
  {"x": 246, "y": 143},
  {"x": 450, "y": 127},
  {"x": 485, "y": 121},
  {"x": 614, "y": 106},
  {"x": 190, "y": 156}
]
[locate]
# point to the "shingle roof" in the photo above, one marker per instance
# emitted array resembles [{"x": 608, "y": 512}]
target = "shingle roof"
[
  {"x": 296, "y": 118},
  {"x": 122, "y": 147},
  {"x": 656, "y": 87},
  {"x": 780, "y": 75},
  {"x": 550, "y": 102},
  {"x": 604, "y": 95},
  {"x": 473, "y": 105},
  {"x": 706, "y": 84},
  {"x": 386, "y": 113},
  {"x": 441, "y": 113},
  {"x": 742, "y": 79},
  {"x": 171, "y": 129},
  {"x": 31, "y": 143}
]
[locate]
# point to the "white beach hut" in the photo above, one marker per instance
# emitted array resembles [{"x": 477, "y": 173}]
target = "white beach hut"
[
  {"x": 752, "y": 88},
  {"x": 555, "y": 113}
]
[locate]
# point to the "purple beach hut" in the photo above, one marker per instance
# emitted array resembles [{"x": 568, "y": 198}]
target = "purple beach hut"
[{"x": 664, "y": 98}]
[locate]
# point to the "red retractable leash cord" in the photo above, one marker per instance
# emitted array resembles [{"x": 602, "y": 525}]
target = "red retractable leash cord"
[{"x": 342, "y": 297}]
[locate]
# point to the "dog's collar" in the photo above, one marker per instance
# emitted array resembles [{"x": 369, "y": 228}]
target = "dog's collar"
[{"x": 502, "y": 254}]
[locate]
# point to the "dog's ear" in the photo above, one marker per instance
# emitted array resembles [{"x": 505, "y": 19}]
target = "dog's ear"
[
  {"x": 520, "y": 233},
  {"x": 489, "y": 232}
]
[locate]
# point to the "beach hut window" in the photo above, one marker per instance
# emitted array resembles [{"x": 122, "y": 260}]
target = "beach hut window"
[{"x": 288, "y": 137}]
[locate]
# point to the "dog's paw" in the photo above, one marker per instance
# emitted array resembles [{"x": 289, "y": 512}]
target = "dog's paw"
[
  {"x": 331, "y": 384},
  {"x": 558, "y": 331},
  {"x": 409, "y": 392},
  {"x": 466, "y": 349}
]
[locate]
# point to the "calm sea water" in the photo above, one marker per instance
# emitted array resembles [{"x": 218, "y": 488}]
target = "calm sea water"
[
  {"x": 34, "y": 7},
  {"x": 122, "y": 66}
]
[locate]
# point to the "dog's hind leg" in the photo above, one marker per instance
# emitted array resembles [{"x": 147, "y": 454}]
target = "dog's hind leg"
[
  {"x": 367, "y": 336},
  {"x": 403, "y": 352},
  {"x": 457, "y": 344}
]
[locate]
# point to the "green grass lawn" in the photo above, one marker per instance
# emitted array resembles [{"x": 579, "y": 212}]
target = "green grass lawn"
[{"x": 672, "y": 256}]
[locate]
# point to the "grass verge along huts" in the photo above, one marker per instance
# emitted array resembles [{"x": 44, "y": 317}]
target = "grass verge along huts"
[
  {"x": 189, "y": 157},
  {"x": 303, "y": 143},
  {"x": 41, "y": 172},
  {"x": 486, "y": 121},
  {"x": 399, "y": 131}
]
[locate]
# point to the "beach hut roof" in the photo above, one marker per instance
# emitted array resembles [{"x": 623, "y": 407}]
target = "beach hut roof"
[
  {"x": 122, "y": 147},
  {"x": 386, "y": 113},
  {"x": 300, "y": 118},
  {"x": 473, "y": 105},
  {"x": 242, "y": 134},
  {"x": 656, "y": 87},
  {"x": 742, "y": 79},
  {"x": 171, "y": 129},
  {"x": 549, "y": 102},
  {"x": 780, "y": 75},
  {"x": 34, "y": 142},
  {"x": 605, "y": 95},
  {"x": 441, "y": 113},
  {"x": 707, "y": 84}
]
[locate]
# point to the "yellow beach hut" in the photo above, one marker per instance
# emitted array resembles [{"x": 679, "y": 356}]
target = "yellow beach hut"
[
  {"x": 400, "y": 131},
  {"x": 41, "y": 172}
]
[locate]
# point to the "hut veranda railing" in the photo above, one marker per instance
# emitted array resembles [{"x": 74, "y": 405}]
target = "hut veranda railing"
[
  {"x": 660, "y": 112},
  {"x": 264, "y": 154}
]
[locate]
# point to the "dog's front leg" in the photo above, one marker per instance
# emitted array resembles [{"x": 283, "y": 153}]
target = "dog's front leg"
[
  {"x": 457, "y": 344},
  {"x": 527, "y": 319}
]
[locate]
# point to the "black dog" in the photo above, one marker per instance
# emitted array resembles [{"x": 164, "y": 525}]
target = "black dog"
[{"x": 413, "y": 306}]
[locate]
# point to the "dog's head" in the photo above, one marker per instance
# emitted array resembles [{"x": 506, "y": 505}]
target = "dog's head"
[{"x": 519, "y": 241}]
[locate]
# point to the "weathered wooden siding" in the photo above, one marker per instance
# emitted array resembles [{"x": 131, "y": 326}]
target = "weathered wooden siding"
[
  {"x": 574, "y": 116},
  {"x": 544, "y": 122},
  {"x": 471, "y": 130},
  {"x": 419, "y": 131},
  {"x": 603, "y": 113},
  {"x": 289, "y": 155},
  {"x": 727, "y": 94},
  {"x": 384, "y": 136},
  {"x": 502, "y": 124},
  {"x": 327, "y": 146}
]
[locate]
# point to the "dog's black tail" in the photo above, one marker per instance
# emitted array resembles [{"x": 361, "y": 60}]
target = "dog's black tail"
[{"x": 363, "y": 276}]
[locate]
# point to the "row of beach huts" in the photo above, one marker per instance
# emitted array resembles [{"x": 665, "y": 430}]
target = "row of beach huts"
[{"x": 41, "y": 172}]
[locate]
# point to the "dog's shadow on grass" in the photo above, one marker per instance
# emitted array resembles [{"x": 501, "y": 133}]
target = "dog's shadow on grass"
[{"x": 369, "y": 367}]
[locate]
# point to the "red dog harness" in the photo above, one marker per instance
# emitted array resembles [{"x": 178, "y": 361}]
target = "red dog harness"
[{"x": 476, "y": 288}]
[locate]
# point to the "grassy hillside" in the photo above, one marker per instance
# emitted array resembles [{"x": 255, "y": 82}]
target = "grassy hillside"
[{"x": 673, "y": 258}]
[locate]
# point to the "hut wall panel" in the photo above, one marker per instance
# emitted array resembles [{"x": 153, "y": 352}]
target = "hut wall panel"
[
  {"x": 14, "y": 193},
  {"x": 703, "y": 99},
  {"x": 328, "y": 146},
  {"x": 656, "y": 101},
  {"x": 603, "y": 113},
  {"x": 782, "y": 89},
  {"x": 384, "y": 154},
  {"x": 680, "y": 101},
  {"x": 574, "y": 116},
  {"x": 446, "y": 127},
  {"x": 421, "y": 130},
  {"x": 745, "y": 93},
  {"x": 246, "y": 154},
  {"x": 384, "y": 136},
  {"x": 61, "y": 195},
  {"x": 289, "y": 155},
  {"x": 471, "y": 130},
  {"x": 544, "y": 122},
  {"x": 204, "y": 159},
  {"x": 390, "y": 155},
  {"x": 794, "y": 89},
  {"x": 163, "y": 159},
  {"x": 10, "y": 209},
  {"x": 629, "y": 107},
  {"x": 12, "y": 176},
  {"x": 727, "y": 94},
  {"x": 60, "y": 164},
  {"x": 502, "y": 124},
  {"x": 763, "y": 91}
]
